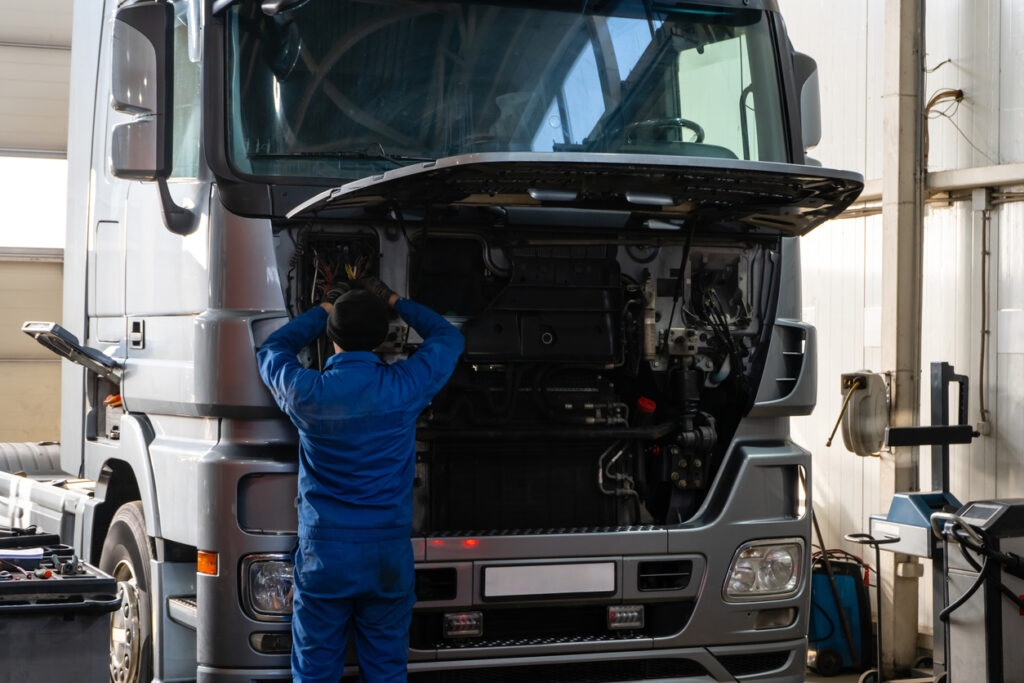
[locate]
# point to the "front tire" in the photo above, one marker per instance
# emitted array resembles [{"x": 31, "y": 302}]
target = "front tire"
[
  {"x": 869, "y": 676},
  {"x": 828, "y": 663},
  {"x": 126, "y": 556}
]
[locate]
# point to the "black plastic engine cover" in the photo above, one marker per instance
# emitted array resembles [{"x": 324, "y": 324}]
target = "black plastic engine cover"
[{"x": 560, "y": 304}]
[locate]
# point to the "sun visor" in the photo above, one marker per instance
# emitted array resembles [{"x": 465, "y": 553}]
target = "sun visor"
[{"x": 743, "y": 196}]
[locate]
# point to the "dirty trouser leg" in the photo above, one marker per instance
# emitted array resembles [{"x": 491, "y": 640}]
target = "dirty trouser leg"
[
  {"x": 321, "y": 611},
  {"x": 381, "y": 617}
]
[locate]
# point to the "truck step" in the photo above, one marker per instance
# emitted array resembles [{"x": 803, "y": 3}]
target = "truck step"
[{"x": 184, "y": 610}]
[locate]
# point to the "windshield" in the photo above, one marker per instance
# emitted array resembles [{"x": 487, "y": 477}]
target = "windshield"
[{"x": 349, "y": 88}]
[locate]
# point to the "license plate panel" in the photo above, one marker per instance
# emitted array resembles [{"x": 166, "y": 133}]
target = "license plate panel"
[{"x": 547, "y": 580}]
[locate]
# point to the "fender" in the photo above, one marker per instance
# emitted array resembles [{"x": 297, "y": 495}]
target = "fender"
[{"x": 133, "y": 450}]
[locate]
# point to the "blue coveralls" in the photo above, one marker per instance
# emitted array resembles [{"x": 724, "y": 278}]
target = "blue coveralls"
[{"x": 357, "y": 427}]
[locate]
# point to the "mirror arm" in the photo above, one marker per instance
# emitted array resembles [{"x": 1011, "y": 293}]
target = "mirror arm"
[{"x": 177, "y": 219}]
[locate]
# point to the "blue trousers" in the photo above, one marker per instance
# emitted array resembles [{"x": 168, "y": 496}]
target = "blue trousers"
[{"x": 369, "y": 586}]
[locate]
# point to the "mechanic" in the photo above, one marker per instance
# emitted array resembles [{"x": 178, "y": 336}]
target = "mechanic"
[{"x": 357, "y": 428}]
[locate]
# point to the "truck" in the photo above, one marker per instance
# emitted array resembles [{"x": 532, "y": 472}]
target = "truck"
[{"x": 604, "y": 196}]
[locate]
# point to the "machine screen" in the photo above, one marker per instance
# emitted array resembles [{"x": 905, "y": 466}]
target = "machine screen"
[{"x": 979, "y": 514}]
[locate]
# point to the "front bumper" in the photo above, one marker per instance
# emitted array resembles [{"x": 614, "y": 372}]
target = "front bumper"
[
  {"x": 755, "y": 497},
  {"x": 781, "y": 662}
]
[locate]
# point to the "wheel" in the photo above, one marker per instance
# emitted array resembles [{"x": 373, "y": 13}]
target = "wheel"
[
  {"x": 869, "y": 676},
  {"x": 828, "y": 662},
  {"x": 666, "y": 123},
  {"x": 126, "y": 556}
]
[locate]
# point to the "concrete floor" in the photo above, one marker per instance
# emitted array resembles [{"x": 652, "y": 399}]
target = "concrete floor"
[{"x": 845, "y": 678}]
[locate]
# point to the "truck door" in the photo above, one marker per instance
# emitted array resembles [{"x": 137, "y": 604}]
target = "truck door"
[{"x": 166, "y": 275}]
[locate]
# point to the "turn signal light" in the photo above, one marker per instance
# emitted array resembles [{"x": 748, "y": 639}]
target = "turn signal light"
[
  {"x": 271, "y": 643},
  {"x": 775, "y": 618},
  {"x": 206, "y": 563}
]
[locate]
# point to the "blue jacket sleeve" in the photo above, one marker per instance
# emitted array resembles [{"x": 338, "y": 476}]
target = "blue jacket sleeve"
[
  {"x": 278, "y": 361},
  {"x": 424, "y": 373}
]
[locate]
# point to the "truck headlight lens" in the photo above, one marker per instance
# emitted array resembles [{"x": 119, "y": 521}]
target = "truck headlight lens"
[
  {"x": 765, "y": 569},
  {"x": 267, "y": 586}
]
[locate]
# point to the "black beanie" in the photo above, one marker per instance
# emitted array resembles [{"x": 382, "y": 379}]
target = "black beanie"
[{"x": 358, "y": 322}]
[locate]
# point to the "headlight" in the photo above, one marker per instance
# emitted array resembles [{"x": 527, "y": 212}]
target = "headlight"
[
  {"x": 767, "y": 569},
  {"x": 267, "y": 586}
]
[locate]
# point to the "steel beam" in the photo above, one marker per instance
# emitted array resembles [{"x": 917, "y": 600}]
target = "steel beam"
[
  {"x": 33, "y": 153},
  {"x": 33, "y": 254},
  {"x": 902, "y": 237},
  {"x": 1001, "y": 175},
  {"x": 35, "y": 46}
]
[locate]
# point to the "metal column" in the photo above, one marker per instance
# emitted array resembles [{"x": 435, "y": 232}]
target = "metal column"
[
  {"x": 942, "y": 376},
  {"x": 902, "y": 184}
]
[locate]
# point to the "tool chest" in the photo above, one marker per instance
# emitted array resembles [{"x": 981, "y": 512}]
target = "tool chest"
[{"x": 54, "y": 610}]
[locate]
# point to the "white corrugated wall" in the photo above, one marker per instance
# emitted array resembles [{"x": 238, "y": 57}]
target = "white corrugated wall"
[
  {"x": 35, "y": 64},
  {"x": 982, "y": 39}
]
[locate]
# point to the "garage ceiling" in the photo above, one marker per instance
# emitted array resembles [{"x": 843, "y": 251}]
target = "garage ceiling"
[{"x": 35, "y": 64}]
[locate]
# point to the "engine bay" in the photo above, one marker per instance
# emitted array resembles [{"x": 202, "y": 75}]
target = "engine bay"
[{"x": 602, "y": 380}]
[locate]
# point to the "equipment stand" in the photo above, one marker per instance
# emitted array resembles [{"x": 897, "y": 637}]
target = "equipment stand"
[{"x": 907, "y": 527}]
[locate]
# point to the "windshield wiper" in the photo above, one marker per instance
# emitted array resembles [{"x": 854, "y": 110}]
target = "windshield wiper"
[{"x": 358, "y": 154}]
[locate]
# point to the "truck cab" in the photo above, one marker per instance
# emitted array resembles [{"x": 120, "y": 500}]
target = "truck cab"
[{"x": 603, "y": 196}]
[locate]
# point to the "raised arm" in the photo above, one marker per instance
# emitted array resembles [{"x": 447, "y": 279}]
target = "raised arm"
[
  {"x": 422, "y": 374},
  {"x": 430, "y": 367},
  {"x": 278, "y": 361}
]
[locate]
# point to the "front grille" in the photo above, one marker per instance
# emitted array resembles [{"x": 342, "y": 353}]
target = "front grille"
[
  {"x": 474, "y": 643},
  {"x": 759, "y": 663},
  {"x": 546, "y": 531},
  {"x": 581, "y": 672},
  {"x": 664, "y": 575},
  {"x": 518, "y": 486},
  {"x": 510, "y": 627}
]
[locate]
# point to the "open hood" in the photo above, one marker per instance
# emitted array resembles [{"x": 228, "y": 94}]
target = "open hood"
[{"x": 750, "y": 196}]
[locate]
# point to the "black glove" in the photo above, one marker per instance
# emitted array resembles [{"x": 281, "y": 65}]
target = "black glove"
[
  {"x": 336, "y": 291},
  {"x": 375, "y": 287}
]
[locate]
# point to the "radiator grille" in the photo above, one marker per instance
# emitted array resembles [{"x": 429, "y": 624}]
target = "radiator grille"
[
  {"x": 517, "y": 487},
  {"x": 522, "y": 626},
  {"x": 792, "y": 340},
  {"x": 664, "y": 575},
  {"x": 523, "y": 642}
]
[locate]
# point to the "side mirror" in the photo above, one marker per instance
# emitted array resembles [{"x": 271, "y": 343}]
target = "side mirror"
[
  {"x": 806, "y": 70},
  {"x": 141, "y": 84}
]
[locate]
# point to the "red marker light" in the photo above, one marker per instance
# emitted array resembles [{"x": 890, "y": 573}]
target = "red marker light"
[
  {"x": 470, "y": 542},
  {"x": 646, "y": 405},
  {"x": 436, "y": 541}
]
